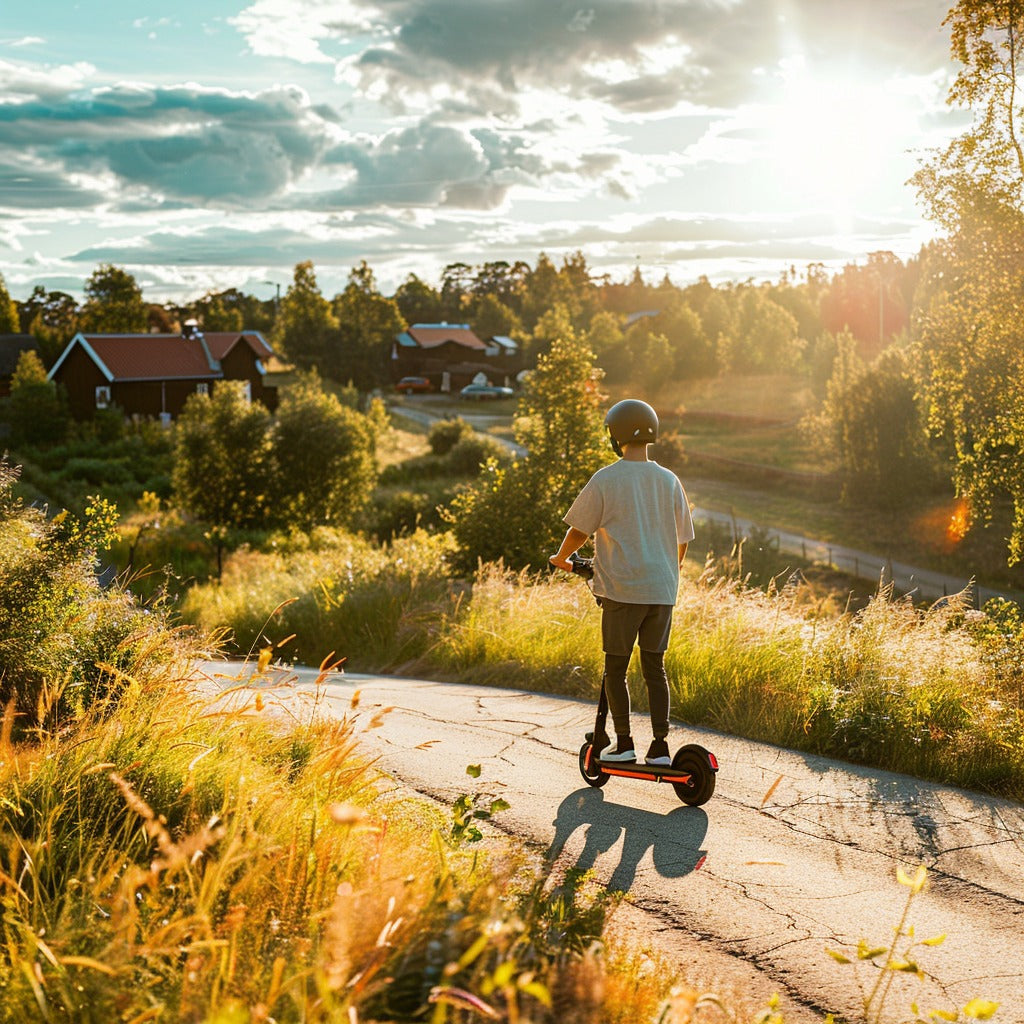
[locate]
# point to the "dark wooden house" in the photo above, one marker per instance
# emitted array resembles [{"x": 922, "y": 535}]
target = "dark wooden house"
[
  {"x": 452, "y": 355},
  {"x": 153, "y": 375}
]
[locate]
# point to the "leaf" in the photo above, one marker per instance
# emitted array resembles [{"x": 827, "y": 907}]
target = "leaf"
[
  {"x": 838, "y": 957},
  {"x": 944, "y": 1014},
  {"x": 904, "y": 967},
  {"x": 938, "y": 940},
  {"x": 538, "y": 991},
  {"x": 771, "y": 789},
  {"x": 915, "y": 884},
  {"x": 980, "y": 1009},
  {"x": 473, "y": 771},
  {"x": 866, "y": 952}
]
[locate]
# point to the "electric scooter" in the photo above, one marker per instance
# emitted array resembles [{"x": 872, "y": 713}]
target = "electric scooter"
[{"x": 693, "y": 769}]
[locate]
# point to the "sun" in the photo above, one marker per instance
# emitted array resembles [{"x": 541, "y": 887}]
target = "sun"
[{"x": 823, "y": 135}]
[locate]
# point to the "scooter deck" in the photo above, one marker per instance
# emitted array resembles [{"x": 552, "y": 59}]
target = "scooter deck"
[{"x": 639, "y": 770}]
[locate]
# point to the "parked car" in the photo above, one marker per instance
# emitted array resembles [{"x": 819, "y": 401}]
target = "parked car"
[
  {"x": 412, "y": 384},
  {"x": 478, "y": 392}
]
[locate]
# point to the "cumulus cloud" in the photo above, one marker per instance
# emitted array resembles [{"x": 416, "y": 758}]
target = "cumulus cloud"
[
  {"x": 28, "y": 187},
  {"x": 183, "y": 143},
  {"x": 634, "y": 55}
]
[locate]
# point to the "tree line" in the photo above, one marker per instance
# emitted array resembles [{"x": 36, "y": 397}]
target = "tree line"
[{"x": 919, "y": 364}]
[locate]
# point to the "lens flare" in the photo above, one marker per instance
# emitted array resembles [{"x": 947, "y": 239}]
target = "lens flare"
[{"x": 959, "y": 522}]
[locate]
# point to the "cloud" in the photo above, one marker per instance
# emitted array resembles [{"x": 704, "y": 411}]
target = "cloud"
[
  {"x": 184, "y": 143},
  {"x": 25, "y": 81},
  {"x": 634, "y": 55},
  {"x": 29, "y": 187}
]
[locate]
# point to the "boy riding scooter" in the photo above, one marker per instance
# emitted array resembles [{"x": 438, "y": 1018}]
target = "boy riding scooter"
[{"x": 639, "y": 517}]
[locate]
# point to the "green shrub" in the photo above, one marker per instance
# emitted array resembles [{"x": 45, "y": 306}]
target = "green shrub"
[
  {"x": 445, "y": 434},
  {"x": 63, "y": 639},
  {"x": 469, "y": 454},
  {"x": 398, "y": 514}
]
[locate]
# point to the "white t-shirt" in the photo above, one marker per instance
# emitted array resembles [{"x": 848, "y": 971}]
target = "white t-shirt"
[{"x": 638, "y": 515}]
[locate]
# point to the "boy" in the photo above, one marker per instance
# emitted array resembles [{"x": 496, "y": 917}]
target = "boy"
[{"x": 640, "y": 519}]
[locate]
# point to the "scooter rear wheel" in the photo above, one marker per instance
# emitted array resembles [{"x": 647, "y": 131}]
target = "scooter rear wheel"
[
  {"x": 693, "y": 759},
  {"x": 592, "y": 776}
]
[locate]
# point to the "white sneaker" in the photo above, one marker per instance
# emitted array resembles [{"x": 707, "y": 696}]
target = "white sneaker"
[
  {"x": 621, "y": 751},
  {"x": 658, "y": 754}
]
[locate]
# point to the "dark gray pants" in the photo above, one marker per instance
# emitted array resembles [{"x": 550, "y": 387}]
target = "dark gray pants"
[{"x": 621, "y": 626}]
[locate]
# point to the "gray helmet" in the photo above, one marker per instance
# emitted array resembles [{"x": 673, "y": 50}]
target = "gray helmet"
[{"x": 631, "y": 420}]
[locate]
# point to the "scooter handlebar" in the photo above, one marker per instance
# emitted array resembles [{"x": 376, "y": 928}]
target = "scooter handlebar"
[{"x": 582, "y": 566}]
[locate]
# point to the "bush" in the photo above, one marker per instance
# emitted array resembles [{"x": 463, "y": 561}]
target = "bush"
[
  {"x": 397, "y": 514},
  {"x": 63, "y": 639},
  {"x": 469, "y": 454},
  {"x": 445, "y": 434}
]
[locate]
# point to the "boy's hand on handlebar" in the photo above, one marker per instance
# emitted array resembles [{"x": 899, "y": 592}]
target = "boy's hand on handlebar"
[{"x": 561, "y": 563}]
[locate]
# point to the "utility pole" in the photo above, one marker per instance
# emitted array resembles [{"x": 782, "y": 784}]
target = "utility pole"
[{"x": 277, "y": 296}]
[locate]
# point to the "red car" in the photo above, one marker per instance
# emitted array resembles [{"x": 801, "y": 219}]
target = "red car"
[{"x": 409, "y": 385}]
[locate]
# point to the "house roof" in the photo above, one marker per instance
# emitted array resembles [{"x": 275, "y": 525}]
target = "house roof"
[
  {"x": 505, "y": 342},
  {"x": 221, "y": 343},
  {"x": 11, "y": 347},
  {"x": 137, "y": 357},
  {"x": 433, "y": 335}
]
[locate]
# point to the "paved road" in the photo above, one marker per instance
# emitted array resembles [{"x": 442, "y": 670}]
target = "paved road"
[
  {"x": 793, "y": 854},
  {"x": 907, "y": 579}
]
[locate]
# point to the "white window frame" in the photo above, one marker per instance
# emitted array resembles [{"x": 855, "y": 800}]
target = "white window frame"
[{"x": 103, "y": 397}]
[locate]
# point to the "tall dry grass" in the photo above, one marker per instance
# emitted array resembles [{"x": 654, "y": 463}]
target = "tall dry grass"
[
  {"x": 184, "y": 858},
  {"x": 936, "y": 692}
]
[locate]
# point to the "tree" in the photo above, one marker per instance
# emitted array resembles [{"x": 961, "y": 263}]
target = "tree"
[
  {"x": 545, "y": 288},
  {"x": 54, "y": 322},
  {"x": 368, "y": 324},
  {"x": 113, "y": 303},
  {"x": 513, "y": 513},
  {"x": 305, "y": 321},
  {"x": 554, "y": 324},
  {"x": 37, "y": 411},
  {"x": 322, "y": 454},
  {"x": 456, "y": 285},
  {"x": 972, "y": 323},
  {"x": 418, "y": 302},
  {"x": 764, "y": 336},
  {"x": 874, "y": 424},
  {"x": 234, "y": 310},
  {"x": 221, "y": 466},
  {"x": 491, "y": 317},
  {"x": 10, "y": 323},
  {"x": 217, "y": 315}
]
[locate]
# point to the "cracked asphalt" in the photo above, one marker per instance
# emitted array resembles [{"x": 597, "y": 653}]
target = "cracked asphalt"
[{"x": 793, "y": 855}]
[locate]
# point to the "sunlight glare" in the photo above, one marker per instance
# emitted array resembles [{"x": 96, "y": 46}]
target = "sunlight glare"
[{"x": 826, "y": 134}]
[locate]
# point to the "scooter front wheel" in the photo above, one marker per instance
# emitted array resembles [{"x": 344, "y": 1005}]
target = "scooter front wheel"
[
  {"x": 695, "y": 761},
  {"x": 592, "y": 774}
]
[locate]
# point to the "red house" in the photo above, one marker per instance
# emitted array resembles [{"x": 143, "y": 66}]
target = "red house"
[
  {"x": 452, "y": 354},
  {"x": 153, "y": 375}
]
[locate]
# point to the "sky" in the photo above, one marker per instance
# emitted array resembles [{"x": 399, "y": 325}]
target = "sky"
[{"x": 209, "y": 144}]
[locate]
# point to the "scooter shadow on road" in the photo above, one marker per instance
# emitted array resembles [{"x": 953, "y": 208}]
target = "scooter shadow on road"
[{"x": 674, "y": 839}]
